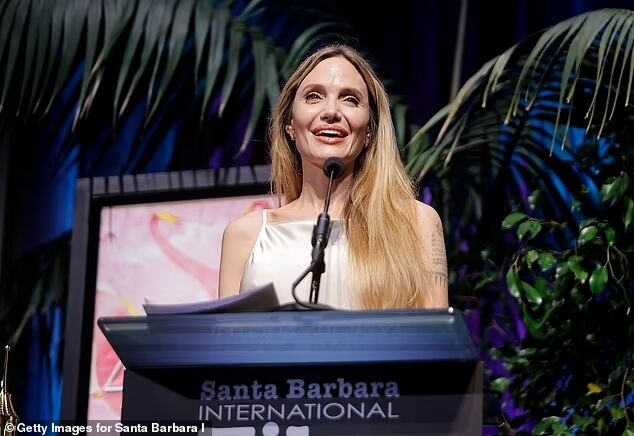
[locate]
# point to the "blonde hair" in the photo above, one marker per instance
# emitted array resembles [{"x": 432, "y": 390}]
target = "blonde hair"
[{"x": 385, "y": 244}]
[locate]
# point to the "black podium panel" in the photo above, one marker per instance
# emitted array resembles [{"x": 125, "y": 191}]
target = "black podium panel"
[{"x": 302, "y": 373}]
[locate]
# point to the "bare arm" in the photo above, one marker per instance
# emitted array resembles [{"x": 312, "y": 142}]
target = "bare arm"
[
  {"x": 436, "y": 254},
  {"x": 237, "y": 244}
]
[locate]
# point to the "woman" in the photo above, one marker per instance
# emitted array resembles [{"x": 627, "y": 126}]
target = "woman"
[{"x": 386, "y": 249}]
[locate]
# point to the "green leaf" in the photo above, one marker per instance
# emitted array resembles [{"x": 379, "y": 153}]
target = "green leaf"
[
  {"x": 31, "y": 43},
  {"x": 616, "y": 374},
  {"x": 178, "y": 33},
  {"x": 598, "y": 279},
  {"x": 496, "y": 72},
  {"x": 582, "y": 421},
  {"x": 135, "y": 37},
  {"x": 489, "y": 277},
  {"x": 500, "y": 384},
  {"x": 629, "y": 213},
  {"x": 42, "y": 44},
  {"x": 155, "y": 26},
  {"x": 116, "y": 17},
  {"x": 617, "y": 413},
  {"x": 541, "y": 284},
  {"x": 219, "y": 26},
  {"x": 546, "y": 261},
  {"x": 472, "y": 83},
  {"x": 238, "y": 28},
  {"x": 527, "y": 352},
  {"x": 513, "y": 219},
  {"x": 272, "y": 76},
  {"x": 162, "y": 26},
  {"x": 562, "y": 270},
  {"x": 75, "y": 15},
  {"x": 603, "y": 403},
  {"x": 524, "y": 229},
  {"x": 399, "y": 112},
  {"x": 513, "y": 282},
  {"x": 602, "y": 425},
  {"x": 6, "y": 21},
  {"x": 532, "y": 324},
  {"x": 587, "y": 234},
  {"x": 532, "y": 294},
  {"x": 580, "y": 273},
  {"x": 587, "y": 222},
  {"x": 14, "y": 44},
  {"x": 302, "y": 44},
  {"x": 528, "y": 229},
  {"x": 615, "y": 190},
  {"x": 93, "y": 29},
  {"x": 260, "y": 59},
  {"x": 419, "y": 164},
  {"x": 610, "y": 235},
  {"x": 532, "y": 256},
  {"x": 202, "y": 20},
  {"x": 545, "y": 424}
]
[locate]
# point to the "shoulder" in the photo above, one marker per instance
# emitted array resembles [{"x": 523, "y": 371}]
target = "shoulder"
[
  {"x": 244, "y": 228},
  {"x": 428, "y": 217},
  {"x": 238, "y": 240}
]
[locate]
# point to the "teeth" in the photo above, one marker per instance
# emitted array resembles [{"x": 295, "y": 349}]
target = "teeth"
[{"x": 330, "y": 132}]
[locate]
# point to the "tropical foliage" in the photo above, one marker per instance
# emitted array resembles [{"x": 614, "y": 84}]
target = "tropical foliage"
[
  {"x": 574, "y": 369},
  {"x": 144, "y": 44},
  {"x": 542, "y": 133}
]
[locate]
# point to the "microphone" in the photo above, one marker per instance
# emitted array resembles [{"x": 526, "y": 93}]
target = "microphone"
[
  {"x": 333, "y": 169},
  {"x": 334, "y": 166}
]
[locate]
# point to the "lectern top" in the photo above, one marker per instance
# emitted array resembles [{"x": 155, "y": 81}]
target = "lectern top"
[{"x": 293, "y": 338}]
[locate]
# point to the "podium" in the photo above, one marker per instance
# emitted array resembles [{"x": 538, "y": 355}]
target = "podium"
[{"x": 305, "y": 373}]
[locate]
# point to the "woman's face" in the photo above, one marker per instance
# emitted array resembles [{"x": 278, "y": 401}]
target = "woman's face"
[{"x": 330, "y": 113}]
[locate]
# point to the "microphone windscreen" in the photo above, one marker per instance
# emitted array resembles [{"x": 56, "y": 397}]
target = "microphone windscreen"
[{"x": 335, "y": 166}]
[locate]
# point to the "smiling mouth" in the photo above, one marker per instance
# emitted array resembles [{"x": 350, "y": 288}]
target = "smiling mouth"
[{"x": 330, "y": 133}]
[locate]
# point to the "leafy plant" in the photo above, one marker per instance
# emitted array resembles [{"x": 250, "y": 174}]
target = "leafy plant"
[
  {"x": 516, "y": 124},
  {"x": 541, "y": 134},
  {"x": 575, "y": 368}
]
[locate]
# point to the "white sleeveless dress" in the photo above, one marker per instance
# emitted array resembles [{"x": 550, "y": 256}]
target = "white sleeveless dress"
[{"x": 282, "y": 251}]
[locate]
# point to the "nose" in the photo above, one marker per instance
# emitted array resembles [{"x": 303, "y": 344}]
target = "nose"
[{"x": 330, "y": 112}]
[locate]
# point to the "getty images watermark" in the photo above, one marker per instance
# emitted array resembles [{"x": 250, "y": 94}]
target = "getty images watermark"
[
  {"x": 105, "y": 428},
  {"x": 117, "y": 428}
]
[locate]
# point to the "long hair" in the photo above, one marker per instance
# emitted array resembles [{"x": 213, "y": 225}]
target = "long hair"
[{"x": 385, "y": 245}]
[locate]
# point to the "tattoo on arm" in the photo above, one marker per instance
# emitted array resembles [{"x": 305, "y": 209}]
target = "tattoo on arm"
[{"x": 438, "y": 257}]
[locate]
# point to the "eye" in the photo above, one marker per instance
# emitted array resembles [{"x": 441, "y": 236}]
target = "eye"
[
  {"x": 312, "y": 96},
  {"x": 351, "y": 99}
]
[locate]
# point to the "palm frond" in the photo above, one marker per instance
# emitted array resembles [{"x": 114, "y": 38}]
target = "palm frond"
[
  {"x": 551, "y": 89},
  {"x": 145, "y": 42}
]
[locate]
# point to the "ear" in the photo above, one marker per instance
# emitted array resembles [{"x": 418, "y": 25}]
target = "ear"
[
  {"x": 291, "y": 132},
  {"x": 366, "y": 143}
]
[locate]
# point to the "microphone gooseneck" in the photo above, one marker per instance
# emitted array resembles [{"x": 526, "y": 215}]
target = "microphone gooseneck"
[{"x": 333, "y": 169}]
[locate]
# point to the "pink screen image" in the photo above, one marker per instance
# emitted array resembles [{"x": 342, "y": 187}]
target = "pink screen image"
[{"x": 160, "y": 252}]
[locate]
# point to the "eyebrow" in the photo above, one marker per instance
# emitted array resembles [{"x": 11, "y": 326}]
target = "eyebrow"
[{"x": 346, "y": 90}]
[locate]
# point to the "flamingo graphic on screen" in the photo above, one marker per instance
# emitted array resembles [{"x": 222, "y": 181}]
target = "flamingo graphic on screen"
[{"x": 206, "y": 275}]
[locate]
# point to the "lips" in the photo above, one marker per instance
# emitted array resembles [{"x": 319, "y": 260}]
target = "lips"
[{"x": 330, "y": 132}]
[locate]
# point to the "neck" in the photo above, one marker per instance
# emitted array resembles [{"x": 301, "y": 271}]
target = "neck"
[{"x": 315, "y": 187}]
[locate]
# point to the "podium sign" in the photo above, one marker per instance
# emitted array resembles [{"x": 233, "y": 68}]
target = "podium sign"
[{"x": 301, "y": 373}]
